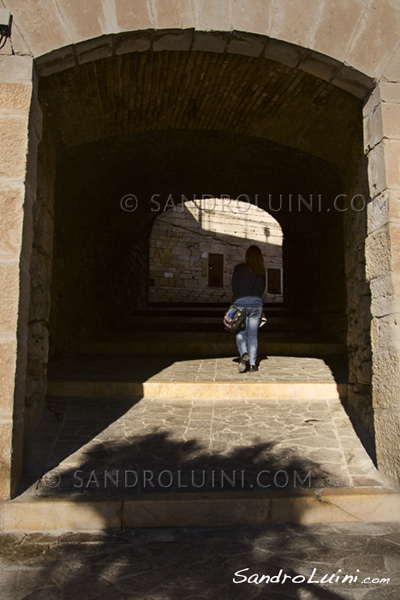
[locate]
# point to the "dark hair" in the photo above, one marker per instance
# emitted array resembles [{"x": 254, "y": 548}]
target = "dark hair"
[{"x": 254, "y": 260}]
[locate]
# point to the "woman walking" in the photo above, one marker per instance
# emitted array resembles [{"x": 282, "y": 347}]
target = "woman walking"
[{"x": 248, "y": 286}]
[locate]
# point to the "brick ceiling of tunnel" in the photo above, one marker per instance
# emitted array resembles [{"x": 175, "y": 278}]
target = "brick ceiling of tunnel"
[{"x": 148, "y": 91}]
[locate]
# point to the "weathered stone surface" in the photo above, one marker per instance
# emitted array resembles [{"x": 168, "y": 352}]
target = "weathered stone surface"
[
  {"x": 292, "y": 23},
  {"x": 332, "y": 32},
  {"x": 210, "y": 41},
  {"x": 287, "y": 54},
  {"x": 387, "y": 435},
  {"x": 373, "y": 128},
  {"x": 353, "y": 81},
  {"x": 320, "y": 66},
  {"x": 13, "y": 145},
  {"x": 246, "y": 44},
  {"x": 391, "y": 120},
  {"x": 94, "y": 49},
  {"x": 382, "y": 295},
  {"x": 15, "y": 96},
  {"x": 56, "y": 61},
  {"x": 386, "y": 382},
  {"x": 42, "y": 25},
  {"x": 8, "y": 355},
  {"x": 9, "y": 294},
  {"x": 87, "y": 19},
  {"x": 390, "y": 91},
  {"x": 172, "y": 40},
  {"x": 11, "y": 217},
  {"x": 381, "y": 209},
  {"x": 385, "y": 333},
  {"x": 377, "y": 251},
  {"x": 136, "y": 41},
  {"x": 380, "y": 21},
  {"x": 253, "y": 17},
  {"x": 16, "y": 69},
  {"x": 5, "y": 456},
  {"x": 134, "y": 16}
]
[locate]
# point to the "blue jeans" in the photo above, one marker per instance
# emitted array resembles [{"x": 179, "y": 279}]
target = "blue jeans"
[{"x": 246, "y": 340}]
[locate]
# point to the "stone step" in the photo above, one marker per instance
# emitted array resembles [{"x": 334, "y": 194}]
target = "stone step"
[
  {"x": 174, "y": 377},
  {"x": 203, "y": 344},
  {"x": 207, "y": 323},
  {"x": 203, "y": 510}
]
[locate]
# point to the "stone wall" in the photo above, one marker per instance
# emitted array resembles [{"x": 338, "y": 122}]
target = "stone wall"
[
  {"x": 20, "y": 131},
  {"x": 41, "y": 273},
  {"x": 182, "y": 239}
]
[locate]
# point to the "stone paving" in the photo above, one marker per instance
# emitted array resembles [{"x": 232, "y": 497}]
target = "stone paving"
[
  {"x": 207, "y": 445},
  {"x": 202, "y": 564}
]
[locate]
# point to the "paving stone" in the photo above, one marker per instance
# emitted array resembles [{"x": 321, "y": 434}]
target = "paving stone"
[{"x": 202, "y": 562}]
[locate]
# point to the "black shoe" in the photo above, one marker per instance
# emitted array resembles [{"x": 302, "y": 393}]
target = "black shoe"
[
  {"x": 243, "y": 363},
  {"x": 253, "y": 369}
]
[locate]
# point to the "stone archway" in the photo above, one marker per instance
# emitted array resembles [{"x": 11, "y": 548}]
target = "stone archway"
[{"x": 381, "y": 133}]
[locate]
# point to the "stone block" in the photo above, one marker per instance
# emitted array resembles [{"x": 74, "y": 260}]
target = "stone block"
[
  {"x": 172, "y": 39},
  {"x": 13, "y": 145},
  {"x": 378, "y": 210},
  {"x": 392, "y": 71},
  {"x": 391, "y": 120},
  {"x": 378, "y": 254},
  {"x": 172, "y": 13},
  {"x": 355, "y": 82},
  {"x": 392, "y": 163},
  {"x": 376, "y": 38},
  {"x": 252, "y": 16},
  {"x": 291, "y": 21},
  {"x": 5, "y": 459},
  {"x": 8, "y": 357},
  {"x": 390, "y": 91},
  {"x": 56, "y": 61},
  {"x": 9, "y": 294},
  {"x": 382, "y": 291},
  {"x": 387, "y": 441},
  {"x": 11, "y": 218},
  {"x": 394, "y": 233},
  {"x": 386, "y": 378},
  {"x": 135, "y": 41},
  {"x": 246, "y": 44},
  {"x": 320, "y": 66},
  {"x": 286, "y": 54},
  {"x": 373, "y": 128},
  {"x": 42, "y": 26},
  {"x": 335, "y": 23},
  {"x": 43, "y": 228},
  {"x": 96, "y": 49},
  {"x": 213, "y": 16},
  {"x": 385, "y": 333},
  {"x": 377, "y": 170},
  {"x": 63, "y": 515},
  {"x": 15, "y": 96},
  {"x": 180, "y": 510},
  {"x": 88, "y": 19},
  {"x": 134, "y": 16},
  {"x": 16, "y": 69},
  {"x": 373, "y": 100}
]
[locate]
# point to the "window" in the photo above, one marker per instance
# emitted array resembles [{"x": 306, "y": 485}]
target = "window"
[
  {"x": 215, "y": 270},
  {"x": 274, "y": 281}
]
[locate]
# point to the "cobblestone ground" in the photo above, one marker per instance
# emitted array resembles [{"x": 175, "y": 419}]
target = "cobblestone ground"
[{"x": 200, "y": 564}]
